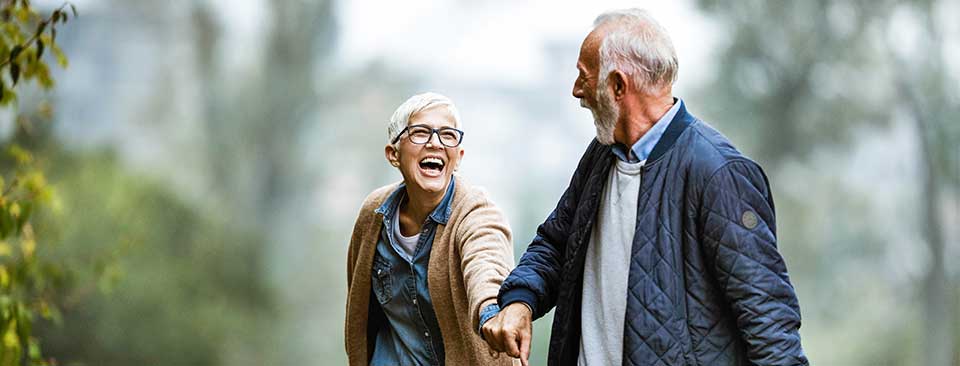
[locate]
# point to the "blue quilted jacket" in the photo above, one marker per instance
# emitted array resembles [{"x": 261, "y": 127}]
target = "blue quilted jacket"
[{"x": 707, "y": 285}]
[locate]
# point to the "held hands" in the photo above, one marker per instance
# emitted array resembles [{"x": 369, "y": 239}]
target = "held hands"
[{"x": 510, "y": 331}]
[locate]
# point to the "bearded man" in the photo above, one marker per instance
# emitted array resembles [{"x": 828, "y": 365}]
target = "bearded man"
[{"x": 663, "y": 248}]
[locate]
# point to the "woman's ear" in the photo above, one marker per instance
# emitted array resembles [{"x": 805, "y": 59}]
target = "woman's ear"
[
  {"x": 459, "y": 160},
  {"x": 392, "y": 155}
]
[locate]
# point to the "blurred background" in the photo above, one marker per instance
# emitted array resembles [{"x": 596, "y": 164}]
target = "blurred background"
[{"x": 206, "y": 159}]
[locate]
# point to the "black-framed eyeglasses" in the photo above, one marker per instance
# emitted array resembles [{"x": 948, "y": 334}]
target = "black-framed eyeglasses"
[{"x": 420, "y": 134}]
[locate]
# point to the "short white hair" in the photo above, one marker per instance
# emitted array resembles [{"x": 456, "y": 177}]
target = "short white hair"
[
  {"x": 401, "y": 117},
  {"x": 639, "y": 46}
]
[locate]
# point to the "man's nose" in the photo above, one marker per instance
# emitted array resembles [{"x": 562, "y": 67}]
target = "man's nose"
[{"x": 577, "y": 90}]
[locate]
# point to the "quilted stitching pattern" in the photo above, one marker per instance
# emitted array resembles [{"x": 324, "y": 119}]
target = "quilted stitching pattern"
[{"x": 703, "y": 289}]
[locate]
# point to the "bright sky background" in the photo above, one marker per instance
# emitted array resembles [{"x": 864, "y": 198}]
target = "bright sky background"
[{"x": 500, "y": 40}]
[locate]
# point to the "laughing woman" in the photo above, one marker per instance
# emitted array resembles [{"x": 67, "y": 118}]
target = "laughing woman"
[{"x": 427, "y": 254}]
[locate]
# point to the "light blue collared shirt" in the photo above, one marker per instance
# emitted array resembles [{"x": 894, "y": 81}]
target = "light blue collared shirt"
[{"x": 644, "y": 146}]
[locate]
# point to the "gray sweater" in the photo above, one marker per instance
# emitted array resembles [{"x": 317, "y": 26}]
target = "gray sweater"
[{"x": 607, "y": 267}]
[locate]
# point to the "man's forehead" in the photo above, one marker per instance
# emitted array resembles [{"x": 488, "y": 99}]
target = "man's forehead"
[
  {"x": 590, "y": 49},
  {"x": 594, "y": 37}
]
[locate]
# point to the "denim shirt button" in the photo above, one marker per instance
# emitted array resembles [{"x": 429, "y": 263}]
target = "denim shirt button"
[{"x": 405, "y": 315}]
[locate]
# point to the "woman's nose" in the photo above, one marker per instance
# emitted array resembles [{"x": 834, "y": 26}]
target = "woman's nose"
[{"x": 430, "y": 141}]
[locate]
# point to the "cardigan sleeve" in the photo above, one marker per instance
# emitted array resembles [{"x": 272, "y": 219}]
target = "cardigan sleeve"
[
  {"x": 365, "y": 218},
  {"x": 355, "y": 239},
  {"x": 486, "y": 249}
]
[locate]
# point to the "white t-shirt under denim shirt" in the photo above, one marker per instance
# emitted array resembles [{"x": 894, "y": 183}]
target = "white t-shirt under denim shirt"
[
  {"x": 407, "y": 243},
  {"x": 607, "y": 267}
]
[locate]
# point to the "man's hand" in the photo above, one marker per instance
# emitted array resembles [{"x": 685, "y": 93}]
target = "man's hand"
[{"x": 511, "y": 331}]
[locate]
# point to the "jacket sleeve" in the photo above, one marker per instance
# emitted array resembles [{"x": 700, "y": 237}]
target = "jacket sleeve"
[
  {"x": 537, "y": 277},
  {"x": 486, "y": 249},
  {"x": 740, "y": 244}
]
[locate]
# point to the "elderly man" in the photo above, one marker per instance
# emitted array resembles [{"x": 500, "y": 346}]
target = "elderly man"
[{"x": 662, "y": 250}]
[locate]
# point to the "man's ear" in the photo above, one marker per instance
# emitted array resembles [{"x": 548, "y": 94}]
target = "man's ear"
[
  {"x": 618, "y": 81},
  {"x": 392, "y": 155}
]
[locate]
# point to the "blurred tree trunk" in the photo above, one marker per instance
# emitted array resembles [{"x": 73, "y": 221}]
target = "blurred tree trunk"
[
  {"x": 254, "y": 126},
  {"x": 253, "y": 130},
  {"x": 938, "y": 321},
  {"x": 930, "y": 113}
]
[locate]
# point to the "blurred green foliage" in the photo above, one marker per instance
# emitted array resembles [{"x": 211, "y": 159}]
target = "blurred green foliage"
[
  {"x": 31, "y": 284},
  {"x": 126, "y": 271},
  {"x": 178, "y": 286}
]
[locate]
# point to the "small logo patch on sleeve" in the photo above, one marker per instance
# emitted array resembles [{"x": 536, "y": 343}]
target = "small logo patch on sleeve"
[{"x": 749, "y": 220}]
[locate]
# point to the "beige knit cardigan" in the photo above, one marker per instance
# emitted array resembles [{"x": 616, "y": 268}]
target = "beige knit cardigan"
[{"x": 470, "y": 257}]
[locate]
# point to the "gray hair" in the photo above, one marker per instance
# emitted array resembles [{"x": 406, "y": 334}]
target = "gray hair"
[
  {"x": 401, "y": 117},
  {"x": 640, "y": 47}
]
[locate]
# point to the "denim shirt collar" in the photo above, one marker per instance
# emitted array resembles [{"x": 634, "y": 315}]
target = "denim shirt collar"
[
  {"x": 642, "y": 148},
  {"x": 440, "y": 214}
]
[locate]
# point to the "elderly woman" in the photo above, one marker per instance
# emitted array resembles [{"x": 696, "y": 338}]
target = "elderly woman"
[{"x": 428, "y": 254}]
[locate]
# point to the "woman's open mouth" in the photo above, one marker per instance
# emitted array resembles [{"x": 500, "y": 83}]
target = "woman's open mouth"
[{"x": 431, "y": 166}]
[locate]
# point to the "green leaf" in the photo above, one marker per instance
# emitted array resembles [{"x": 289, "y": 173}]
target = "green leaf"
[
  {"x": 61, "y": 58},
  {"x": 14, "y": 73},
  {"x": 10, "y": 339},
  {"x": 34, "y": 349},
  {"x": 23, "y": 14},
  {"x": 6, "y": 224},
  {"x": 40, "y": 28},
  {"x": 74, "y": 9},
  {"x": 21, "y": 155},
  {"x": 14, "y": 53},
  {"x": 9, "y": 96},
  {"x": 43, "y": 75},
  {"x": 25, "y": 210}
]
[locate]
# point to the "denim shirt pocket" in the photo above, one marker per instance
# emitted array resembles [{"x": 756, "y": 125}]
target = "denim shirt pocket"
[{"x": 382, "y": 280}]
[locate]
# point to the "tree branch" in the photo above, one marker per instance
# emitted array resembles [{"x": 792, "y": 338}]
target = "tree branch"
[{"x": 30, "y": 41}]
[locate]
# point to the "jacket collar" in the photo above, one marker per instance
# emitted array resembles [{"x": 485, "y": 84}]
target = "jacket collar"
[
  {"x": 679, "y": 123},
  {"x": 640, "y": 151}
]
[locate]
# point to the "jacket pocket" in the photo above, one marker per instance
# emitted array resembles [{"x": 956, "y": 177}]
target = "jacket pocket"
[{"x": 382, "y": 280}]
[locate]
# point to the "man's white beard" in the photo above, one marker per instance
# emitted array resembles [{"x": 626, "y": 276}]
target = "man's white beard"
[{"x": 605, "y": 115}]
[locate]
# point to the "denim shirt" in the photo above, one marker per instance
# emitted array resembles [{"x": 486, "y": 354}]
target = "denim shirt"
[{"x": 411, "y": 334}]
